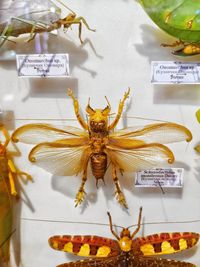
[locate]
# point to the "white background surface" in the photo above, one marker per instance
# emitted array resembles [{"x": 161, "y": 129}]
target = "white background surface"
[{"x": 117, "y": 56}]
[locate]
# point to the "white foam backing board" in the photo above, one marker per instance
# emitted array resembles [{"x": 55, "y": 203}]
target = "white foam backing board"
[{"x": 117, "y": 56}]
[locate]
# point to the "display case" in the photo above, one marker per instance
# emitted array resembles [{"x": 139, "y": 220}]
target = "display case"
[{"x": 117, "y": 56}]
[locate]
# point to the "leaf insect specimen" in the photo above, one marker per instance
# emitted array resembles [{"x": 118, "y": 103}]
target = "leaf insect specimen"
[
  {"x": 36, "y": 16},
  {"x": 8, "y": 174},
  {"x": 125, "y": 250},
  {"x": 179, "y": 18},
  {"x": 69, "y": 150}
]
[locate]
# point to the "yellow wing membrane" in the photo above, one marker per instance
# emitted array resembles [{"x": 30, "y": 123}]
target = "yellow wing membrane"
[{"x": 38, "y": 133}]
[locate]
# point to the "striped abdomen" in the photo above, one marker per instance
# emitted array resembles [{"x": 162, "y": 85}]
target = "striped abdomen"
[
  {"x": 85, "y": 245},
  {"x": 164, "y": 243},
  {"x": 98, "y": 165}
]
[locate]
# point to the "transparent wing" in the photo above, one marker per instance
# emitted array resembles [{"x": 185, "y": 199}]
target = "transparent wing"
[
  {"x": 61, "y": 157},
  {"x": 43, "y": 11},
  {"x": 155, "y": 262},
  {"x": 163, "y": 133},
  {"x": 37, "y": 133},
  {"x": 139, "y": 157},
  {"x": 99, "y": 262}
]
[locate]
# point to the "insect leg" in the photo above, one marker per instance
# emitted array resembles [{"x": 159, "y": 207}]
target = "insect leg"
[
  {"x": 120, "y": 110},
  {"x": 138, "y": 225},
  {"x": 81, "y": 192},
  {"x": 76, "y": 110},
  {"x": 111, "y": 226},
  {"x": 13, "y": 170},
  {"x": 13, "y": 190},
  {"x": 175, "y": 44},
  {"x": 119, "y": 195}
]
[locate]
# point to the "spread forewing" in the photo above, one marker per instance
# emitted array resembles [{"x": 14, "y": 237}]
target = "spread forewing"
[
  {"x": 38, "y": 133},
  {"x": 162, "y": 133}
]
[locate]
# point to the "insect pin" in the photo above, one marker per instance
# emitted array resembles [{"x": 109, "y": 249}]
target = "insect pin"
[
  {"x": 125, "y": 250},
  {"x": 33, "y": 17},
  {"x": 179, "y": 18},
  {"x": 69, "y": 150},
  {"x": 8, "y": 191}
]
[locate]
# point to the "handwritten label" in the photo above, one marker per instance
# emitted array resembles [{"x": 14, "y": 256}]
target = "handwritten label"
[
  {"x": 160, "y": 177},
  {"x": 43, "y": 65},
  {"x": 169, "y": 72}
]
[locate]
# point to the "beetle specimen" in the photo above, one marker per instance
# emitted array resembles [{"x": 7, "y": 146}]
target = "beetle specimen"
[
  {"x": 126, "y": 250},
  {"x": 8, "y": 174},
  {"x": 179, "y": 18},
  {"x": 35, "y": 16},
  {"x": 68, "y": 151}
]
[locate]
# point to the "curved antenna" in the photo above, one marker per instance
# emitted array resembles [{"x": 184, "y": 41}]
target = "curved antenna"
[
  {"x": 88, "y": 109},
  {"x": 111, "y": 226},
  {"x": 138, "y": 224},
  {"x": 61, "y": 2}
]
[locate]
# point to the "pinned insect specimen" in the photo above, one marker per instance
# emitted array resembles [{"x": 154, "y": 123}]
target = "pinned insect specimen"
[
  {"x": 68, "y": 151},
  {"x": 179, "y": 18},
  {"x": 126, "y": 250},
  {"x": 8, "y": 174},
  {"x": 35, "y": 16}
]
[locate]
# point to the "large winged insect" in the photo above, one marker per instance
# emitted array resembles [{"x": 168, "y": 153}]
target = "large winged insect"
[
  {"x": 179, "y": 18},
  {"x": 68, "y": 150},
  {"x": 35, "y": 16},
  {"x": 8, "y": 192},
  {"x": 125, "y": 250}
]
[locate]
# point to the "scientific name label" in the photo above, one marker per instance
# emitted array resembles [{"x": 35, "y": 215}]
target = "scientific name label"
[
  {"x": 160, "y": 177},
  {"x": 43, "y": 65},
  {"x": 170, "y": 72}
]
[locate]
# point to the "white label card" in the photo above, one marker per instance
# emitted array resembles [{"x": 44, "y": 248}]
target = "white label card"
[
  {"x": 160, "y": 177},
  {"x": 43, "y": 65},
  {"x": 170, "y": 72}
]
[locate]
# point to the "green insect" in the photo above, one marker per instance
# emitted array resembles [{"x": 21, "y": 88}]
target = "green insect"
[{"x": 179, "y": 18}]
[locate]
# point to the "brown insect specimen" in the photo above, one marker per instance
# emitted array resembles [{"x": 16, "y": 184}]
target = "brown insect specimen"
[
  {"x": 125, "y": 250},
  {"x": 68, "y": 151}
]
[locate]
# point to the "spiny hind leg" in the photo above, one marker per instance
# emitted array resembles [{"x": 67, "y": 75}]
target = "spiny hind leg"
[
  {"x": 119, "y": 195},
  {"x": 81, "y": 192}
]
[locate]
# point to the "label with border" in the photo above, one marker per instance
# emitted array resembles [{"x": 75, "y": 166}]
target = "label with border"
[
  {"x": 172, "y": 72},
  {"x": 160, "y": 177},
  {"x": 42, "y": 65}
]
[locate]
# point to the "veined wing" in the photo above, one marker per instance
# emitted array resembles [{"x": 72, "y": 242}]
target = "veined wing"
[
  {"x": 64, "y": 157},
  {"x": 86, "y": 246},
  {"x": 139, "y": 157},
  {"x": 164, "y": 243},
  {"x": 155, "y": 262},
  {"x": 162, "y": 133},
  {"x": 115, "y": 261},
  {"x": 38, "y": 132},
  {"x": 44, "y": 11}
]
